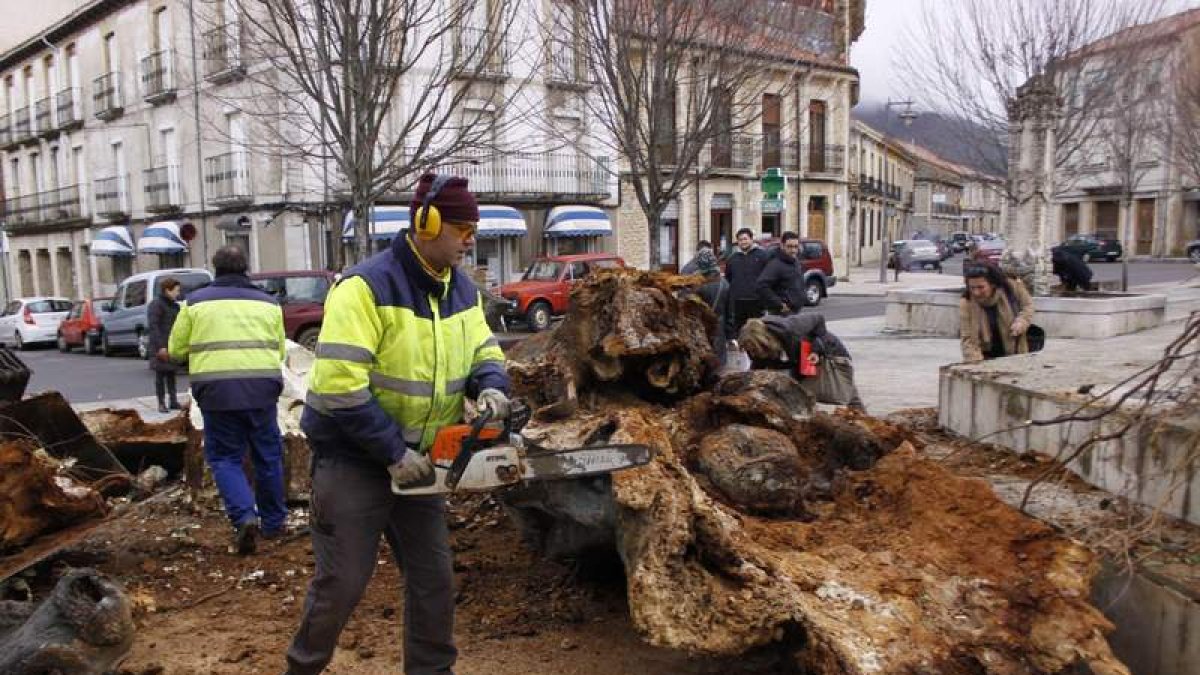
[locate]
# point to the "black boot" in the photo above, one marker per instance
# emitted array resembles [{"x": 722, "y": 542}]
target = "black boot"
[
  {"x": 171, "y": 391},
  {"x": 159, "y": 391}
]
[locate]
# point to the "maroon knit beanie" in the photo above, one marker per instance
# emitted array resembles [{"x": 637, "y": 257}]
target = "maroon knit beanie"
[{"x": 454, "y": 201}]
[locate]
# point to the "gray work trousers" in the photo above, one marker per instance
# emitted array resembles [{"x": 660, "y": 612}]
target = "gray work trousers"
[{"x": 352, "y": 505}]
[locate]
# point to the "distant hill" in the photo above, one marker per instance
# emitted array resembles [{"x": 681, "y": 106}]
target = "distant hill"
[{"x": 952, "y": 138}]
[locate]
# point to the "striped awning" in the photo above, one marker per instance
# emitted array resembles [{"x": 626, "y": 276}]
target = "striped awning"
[
  {"x": 577, "y": 221},
  {"x": 500, "y": 221},
  {"x": 386, "y": 222},
  {"x": 162, "y": 237},
  {"x": 113, "y": 242}
]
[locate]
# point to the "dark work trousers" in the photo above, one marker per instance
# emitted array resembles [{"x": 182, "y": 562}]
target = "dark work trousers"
[
  {"x": 227, "y": 433},
  {"x": 164, "y": 385},
  {"x": 352, "y": 505},
  {"x": 743, "y": 310}
]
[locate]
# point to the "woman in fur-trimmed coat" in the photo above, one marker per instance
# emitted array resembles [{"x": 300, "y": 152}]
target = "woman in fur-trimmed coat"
[{"x": 995, "y": 313}]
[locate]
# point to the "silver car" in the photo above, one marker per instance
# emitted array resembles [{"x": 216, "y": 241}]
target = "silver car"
[{"x": 919, "y": 254}]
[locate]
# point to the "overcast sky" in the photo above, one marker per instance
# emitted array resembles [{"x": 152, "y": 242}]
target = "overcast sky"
[{"x": 888, "y": 21}]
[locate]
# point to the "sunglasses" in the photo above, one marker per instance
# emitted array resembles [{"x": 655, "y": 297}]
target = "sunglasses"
[{"x": 465, "y": 230}]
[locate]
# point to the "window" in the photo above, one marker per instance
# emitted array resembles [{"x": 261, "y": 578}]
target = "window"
[
  {"x": 811, "y": 250},
  {"x": 187, "y": 282},
  {"x": 111, "y": 60},
  {"x": 76, "y": 311},
  {"x": 296, "y": 289},
  {"x": 12, "y": 308},
  {"x": 543, "y": 270},
  {"x": 816, "y": 135},
  {"x": 240, "y": 240},
  {"x": 135, "y": 294},
  {"x": 579, "y": 271},
  {"x": 49, "y": 306},
  {"x": 772, "y": 143}
]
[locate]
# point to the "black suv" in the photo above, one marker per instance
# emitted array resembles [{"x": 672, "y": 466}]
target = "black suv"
[{"x": 1091, "y": 247}]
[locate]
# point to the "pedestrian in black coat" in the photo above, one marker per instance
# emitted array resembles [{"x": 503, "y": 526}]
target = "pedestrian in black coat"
[
  {"x": 715, "y": 294},
  {"x": 1071, "y": 270},
  {"x": 160, "y": 318},
  {"x": 742, "y": 269},
  {"x": 781, "y": 284}
]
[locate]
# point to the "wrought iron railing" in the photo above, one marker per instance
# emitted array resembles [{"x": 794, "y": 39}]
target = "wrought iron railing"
[
  {"x": 158, "y": 76},
  {"x": 227, "y": 176},
  {"x": 67, "y": 107},
  {"x": 481, "y": 53},
  {"x": 112, "y": 196},
  {"x": 161, "y": 186},
  {"x": 45, "y": 208},
  {"x": 21, "y": 126},
  {"x": 223, "y": 52},
  {"x": 42, "y": 119},
  {"x": 107, "y": 99},
  {"x": 825, "y": 158}
]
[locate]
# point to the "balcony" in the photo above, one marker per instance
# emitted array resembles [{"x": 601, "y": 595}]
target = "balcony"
[
  {"x": 112, "y": 197},
  {"x": 778, "y": 153},
  {"x": 68, "y": 104},
  {"x": 730, "y": 152},
  {"x": 950, "y": 210},
  {"x": 481, "y": 54},
  {"x": 163, "y": 193},
  {"x": 227, "y": 178},
  {"x": 107, "y": 101},
  {"x": 5, "y": 130},
  {"x": 546, "y": 175},
  {"x": 42, "y": 117},
  {"x": 58, "y": 207},
  {"x": 825, "y": 159},
  {"x": 567, "y": 67},
  {"x": 223, "y": 54},
  {"x": 22, "y": 127},
  {"x": 158, "y": 78}
]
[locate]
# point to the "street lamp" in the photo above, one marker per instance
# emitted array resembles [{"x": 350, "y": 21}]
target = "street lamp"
[{"x": 907, "y": 116}]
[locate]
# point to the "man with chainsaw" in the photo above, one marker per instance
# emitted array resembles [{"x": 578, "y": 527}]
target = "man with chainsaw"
[{"x": 403, "y": 345}]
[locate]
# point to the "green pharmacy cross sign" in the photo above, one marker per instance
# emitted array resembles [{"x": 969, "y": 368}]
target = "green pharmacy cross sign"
[{"x": 773, "y": 186}]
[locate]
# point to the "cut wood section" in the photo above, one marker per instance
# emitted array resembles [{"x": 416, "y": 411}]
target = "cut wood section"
[{"x": 37, "y": 497}]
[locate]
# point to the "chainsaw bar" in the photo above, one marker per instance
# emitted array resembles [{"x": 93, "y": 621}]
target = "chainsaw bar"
[{"x": 583, "y": 462}]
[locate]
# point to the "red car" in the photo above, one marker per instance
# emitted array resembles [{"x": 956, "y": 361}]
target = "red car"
[
  {"x": 545, "y": 289},
  {"x": 302, "y": 295},
  {"x": 82, "y": 326}
]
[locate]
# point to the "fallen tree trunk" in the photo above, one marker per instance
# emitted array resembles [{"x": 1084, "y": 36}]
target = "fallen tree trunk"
[
  {"x": 760, "y": 522},
  {"x": 85, "y": 627},
  {"x": 37, "y": 496}
]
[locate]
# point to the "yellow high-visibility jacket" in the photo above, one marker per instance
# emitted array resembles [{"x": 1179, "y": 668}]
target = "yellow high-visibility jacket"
[
  {"x": 231, "y": 334},
  {"x": 399, "y": 350}
]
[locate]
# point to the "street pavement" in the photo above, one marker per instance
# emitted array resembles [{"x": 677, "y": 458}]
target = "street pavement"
[{"x": 855, "y": 309}]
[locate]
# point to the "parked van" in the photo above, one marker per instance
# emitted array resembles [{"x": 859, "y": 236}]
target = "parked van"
[{"x": 124, "y": 324}]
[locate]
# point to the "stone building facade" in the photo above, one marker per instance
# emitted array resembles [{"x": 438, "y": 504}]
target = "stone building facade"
[
  {"x": 882, "y": 179},
  {"x": 803, "y": 133},
  {"x": 110, "y": 119}
]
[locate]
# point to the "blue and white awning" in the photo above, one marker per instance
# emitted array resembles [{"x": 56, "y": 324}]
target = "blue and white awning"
[
  {"x": 386, "y": 222},
  {"x": 113, "y": 242},
  {"x": 500, "y": 221},
  {"x": 162, "y": 238},
  {"x": 577, "y": 221}
]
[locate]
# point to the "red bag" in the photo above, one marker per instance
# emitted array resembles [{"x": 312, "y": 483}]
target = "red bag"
[{"x": 805, "y": 367}]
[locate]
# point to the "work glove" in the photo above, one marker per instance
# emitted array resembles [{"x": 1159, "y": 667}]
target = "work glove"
[
  {"x": 494, "y": 401},
  {"x": 413, "y": 470}
]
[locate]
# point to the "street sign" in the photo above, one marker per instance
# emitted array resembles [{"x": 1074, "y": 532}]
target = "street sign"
[{"x": 772, "y": 205}]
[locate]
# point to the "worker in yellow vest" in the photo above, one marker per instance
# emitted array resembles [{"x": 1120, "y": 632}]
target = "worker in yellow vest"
[
  {"x": 404, "y": 343},
  {"x": 231, "y": 334}
]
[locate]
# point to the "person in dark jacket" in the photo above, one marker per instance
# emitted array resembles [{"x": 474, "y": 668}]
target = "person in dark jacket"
[
  {"x": 715, "y": 294},
  {"x": 774, "y": 343},
  {"x": 160, "y": 318},
  {"x": 1070, "y": 269},
  {"x": 693, "y": 265},
  {"x": 781, "y": 284},
  {"x": 745, "y": 264}
]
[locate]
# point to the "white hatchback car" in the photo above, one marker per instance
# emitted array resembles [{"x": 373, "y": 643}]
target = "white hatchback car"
[{"x": 29, "y": 320}]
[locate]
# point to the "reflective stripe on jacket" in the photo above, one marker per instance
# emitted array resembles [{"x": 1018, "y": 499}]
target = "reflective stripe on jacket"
[
  {"x": 232, "y": 336},
  {"x": 398, "y": 352}
]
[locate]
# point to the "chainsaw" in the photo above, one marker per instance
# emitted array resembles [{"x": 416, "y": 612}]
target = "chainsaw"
[{"x": 484, "y": 455}]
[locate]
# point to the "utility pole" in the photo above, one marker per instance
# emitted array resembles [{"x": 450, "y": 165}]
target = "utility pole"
[{"x": 908, "y": 116}]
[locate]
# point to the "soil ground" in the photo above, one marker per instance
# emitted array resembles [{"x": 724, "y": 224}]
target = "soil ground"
[{"x": 202, "y": 609}]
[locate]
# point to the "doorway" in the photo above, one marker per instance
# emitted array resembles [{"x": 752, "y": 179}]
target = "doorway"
[
  {"x": 816, "y": 218},
  {"x": 1107, "y": 217},
  {"x": 720, "y": 229},
  {"x": 1070, "y": 218},
  {"x": 770, "y": 225},
  {"x": 1145, "y": 227}
]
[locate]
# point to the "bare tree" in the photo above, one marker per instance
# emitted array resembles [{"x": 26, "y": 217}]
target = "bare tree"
[
  {"x": 676, "y": 79},
  {"x": 998, "y": 47},
  {"x": 377, "y": 90}
]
